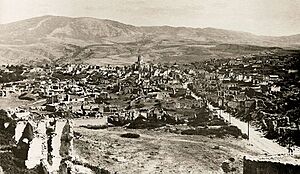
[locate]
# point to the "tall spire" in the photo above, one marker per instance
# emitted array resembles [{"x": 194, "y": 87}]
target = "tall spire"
[{"x": 140, "y": 59}]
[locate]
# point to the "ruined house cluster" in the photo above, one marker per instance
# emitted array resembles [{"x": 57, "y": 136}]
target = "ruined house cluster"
[
  {"x": 144, "y": 93},
  {"x": 270, "y": 164},
  {"x": 135, "y": 94},
  {"x": 263, "y": 89},
  {"x": 85, "y": 90}
]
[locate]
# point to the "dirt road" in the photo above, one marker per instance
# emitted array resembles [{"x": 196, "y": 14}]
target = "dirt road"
[{"x": 255, "y": 138}]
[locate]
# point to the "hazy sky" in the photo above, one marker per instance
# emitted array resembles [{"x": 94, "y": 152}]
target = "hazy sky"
[{"x": 263, "y": 17}]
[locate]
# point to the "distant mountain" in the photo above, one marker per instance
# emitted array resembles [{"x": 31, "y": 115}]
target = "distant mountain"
[
  {"x": 89, "y": 40},
  {"x": 47, "y": 27}
]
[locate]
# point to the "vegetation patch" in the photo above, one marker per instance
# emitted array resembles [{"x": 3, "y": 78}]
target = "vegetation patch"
[
  {"x": 130, "y": 135},
  {"x": 95, "y": 127},
  {"x": 95, "y": 169},
  {"x": 218, "y": 132},
  {"x": 10, "y": 165}
]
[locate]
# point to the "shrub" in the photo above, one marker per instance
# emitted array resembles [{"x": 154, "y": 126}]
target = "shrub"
[
  {"x": 244, "y": 136},
  {"x": 233, "y": 130},
  {"x": 219, "y": 132},
  {"x": 226, "y": 167},
  {"x": 11, "y": 165},
  {"x": 130, "y": 135},
  {"x": 5, "y": 137},
  {"x": 77, "y": 134},
  {"x": 145, "y": 125},
  {"x": 231, "y": 159},
  {"x": 95, "y": 127}
]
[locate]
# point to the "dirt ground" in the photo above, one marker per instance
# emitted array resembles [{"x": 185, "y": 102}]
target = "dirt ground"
[
  {"x": 158, "y": 151},
  {"x": 12, "y": 101}
]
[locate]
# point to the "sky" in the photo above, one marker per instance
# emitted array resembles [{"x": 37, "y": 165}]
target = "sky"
[{"x": 261, "y": 17}]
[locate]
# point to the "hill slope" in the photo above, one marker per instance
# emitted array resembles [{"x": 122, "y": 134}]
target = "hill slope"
[{"x": 64, "y": 39}]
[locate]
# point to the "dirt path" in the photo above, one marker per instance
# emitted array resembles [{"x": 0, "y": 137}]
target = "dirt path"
[
  {"x": 255, "y": 137},
  {"x": 34, "y": 103}
]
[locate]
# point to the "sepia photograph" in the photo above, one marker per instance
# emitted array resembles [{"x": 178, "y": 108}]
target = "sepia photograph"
[{"x": 149, "y": 86}]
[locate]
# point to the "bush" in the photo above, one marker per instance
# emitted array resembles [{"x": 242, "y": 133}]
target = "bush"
[
  {"x": 231, "y": 159},
  {"x": 245, "y": 136},
  {"x": 226, "y": 167},
  {"x": 3, "y": 118},
  {"x": 5, "y": 137},
  {"x": 140, "y": 105},
  {"x": 77, "y": 134},
  {"x": 145, "y": 125},
  {"x": 219, "y": 132},
  {"x": 10, "y": 165},
  {"x": 217, "y": 122},
  {"x": 233, "y": 130},
  {"x": 130, "y": 135},
  {"x": 94, "y": 127}
]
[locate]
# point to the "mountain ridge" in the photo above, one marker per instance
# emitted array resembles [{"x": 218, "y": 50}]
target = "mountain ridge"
[
  {"x": 170, "y": 26},
  {"x": 62, "y": 21},
  {"x": 52, "y": 38}
]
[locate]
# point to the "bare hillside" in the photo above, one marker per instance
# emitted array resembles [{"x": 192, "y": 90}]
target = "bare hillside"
[{"x": 88, "y": 40}]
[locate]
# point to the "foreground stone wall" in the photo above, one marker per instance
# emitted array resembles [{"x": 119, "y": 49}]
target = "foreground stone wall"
[
  {"x": 49, "y": 145},
  {"x": 38, "y": 146},
  {"x": 256, "y": 166},
  {"x": 36, "y": 140}
]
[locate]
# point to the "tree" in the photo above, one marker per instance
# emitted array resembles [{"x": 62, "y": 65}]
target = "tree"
[
  {"x": 250, "y": 93},
  {"x": 3, "y": 118},
  {"x": 294, "y": 116}
]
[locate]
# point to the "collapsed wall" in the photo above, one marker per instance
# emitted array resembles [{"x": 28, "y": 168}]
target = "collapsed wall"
[
  {"x": 38, "y": 146},
  {"x": 48, "y": 144},
  {"x": 66, "y": 149},
  {"x": 23, "y": 143},
  {"x": 55, "y": 144},
  {"x": 19, "y": 129},
  {"x": 274, "y": 165},
  {"x": 32, "y": 140}
]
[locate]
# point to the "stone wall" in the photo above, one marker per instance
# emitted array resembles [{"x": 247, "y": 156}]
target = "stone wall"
[
  {"x": 37, "y": 150},
  {"x": 257, "y": 166},
  {"x": 48, "y": 144}
]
